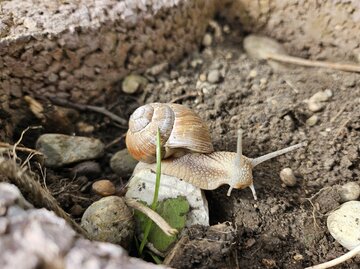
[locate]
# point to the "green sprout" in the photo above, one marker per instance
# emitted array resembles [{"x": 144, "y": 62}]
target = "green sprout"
[{"x": 156, "y": 192}]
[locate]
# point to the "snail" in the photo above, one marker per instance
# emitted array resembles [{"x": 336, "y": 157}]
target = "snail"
[{"x": 187, "y": 149}]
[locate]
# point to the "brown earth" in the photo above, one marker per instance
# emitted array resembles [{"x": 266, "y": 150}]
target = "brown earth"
[{"x": 286, "y": 227}]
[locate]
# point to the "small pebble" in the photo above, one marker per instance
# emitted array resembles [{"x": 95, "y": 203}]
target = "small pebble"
[
  {"x": 76, "y": 210},
  {"x": 298, "y": 257},
  {"x": 104, "y": 187},
  {"x": 349, "y": 191},
  {"x": 132, "y": 83},
  {"x": 312, "y": 120},
  {"x": 321, "y": 96},
  {"x": 287, "y": 176},
  {"x": 157, "y": 69},
  {"x": 213, "y": 76},
  {"x": 226, "y": 29},
  {"x": 207, "y": 40},
  {"x": 343, "y": 224},
  {"x": 197, "y": 62},
  {"x": 89, "y": 169},
  {"x": 59, "y": 149},
  {"x": 202, "y": 77},
  {"x": 109, "y": 220},
  {"x": 122, "y": 163},
  {"x": 252, "y": 74},
  {"x": 315, "y": 106}
]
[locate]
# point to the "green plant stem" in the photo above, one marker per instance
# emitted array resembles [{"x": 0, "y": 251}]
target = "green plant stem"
[{"x": 156, "y": 191}]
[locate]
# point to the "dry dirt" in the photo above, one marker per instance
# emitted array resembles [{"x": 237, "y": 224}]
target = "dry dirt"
[{"x": 285, "y": 227}]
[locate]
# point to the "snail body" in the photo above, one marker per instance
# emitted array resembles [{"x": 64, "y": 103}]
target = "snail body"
[{"x": 191, "y": 157}]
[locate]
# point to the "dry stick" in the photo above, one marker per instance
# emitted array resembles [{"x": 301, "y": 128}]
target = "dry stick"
[
  {"x": 155, "y": 217},
  {"x": 184, "y": 96},
  {"x": 81, "y": 107},
  {"x": 338, "y": 260},
  {"x": 310, "y": 63},
  {"x": 23, "y": 149},
  {"x": 28, "y": 185}
]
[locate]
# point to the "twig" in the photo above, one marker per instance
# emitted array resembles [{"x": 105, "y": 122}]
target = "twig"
[
  {"x": 339, "y": 113},
  {"x": 311, "y": 63},
  {"x": 155, "y": 217},
  {"x": 291, "y": 86},
  {"x": 23, "y": 149},
  {"x": 338, "y": 260},
  {"x": 21, "y": 137},
  {"x": 81, "y": 107},
  {"x": 184, "y": 96},
  {"x": 115, "y": 141}
]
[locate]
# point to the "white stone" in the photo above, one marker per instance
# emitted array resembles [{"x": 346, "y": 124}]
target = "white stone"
[
  {"x": 141, "y": 187},
  {"x": 287, "y": 176},
  {"x": 344, "y": 224}
]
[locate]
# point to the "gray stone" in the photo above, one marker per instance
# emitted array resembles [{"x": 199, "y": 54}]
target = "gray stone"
[
  {"x": 37, "y": 238},
  {"x": 61, "y": 149},
  {"x": 213, "y": 76},
  {"x": 122, "y": 163},
  {"x": 109, "y": 220}
]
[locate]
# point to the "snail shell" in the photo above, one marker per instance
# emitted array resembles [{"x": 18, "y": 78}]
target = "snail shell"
[{"x": 181, "y": 131}]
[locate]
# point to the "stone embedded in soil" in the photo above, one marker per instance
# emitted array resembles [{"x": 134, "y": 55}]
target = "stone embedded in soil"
[
  {"x": 90, "y": 169},
  {"x": 109, "y": 220},
  {"x": 287, "y": 176},
  {"x": 344, "y": 225},
  {"x": 122, "y": 163},
  {"x": 349, "y": 191},
  {"x": 312, "y": 120},
  {"x": 61, "y": 149},
  {"x": 207, "y": 40},
  {"x": 214, "y": 76},
  {"x": 258, "y": 47},
  {"x": 104, "y": 187},
  {"x": 133, "y": 83},
  {"x": 316, "y": 102}
]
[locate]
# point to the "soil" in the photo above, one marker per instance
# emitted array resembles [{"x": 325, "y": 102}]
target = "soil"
[{"x": 286, "y": 226}]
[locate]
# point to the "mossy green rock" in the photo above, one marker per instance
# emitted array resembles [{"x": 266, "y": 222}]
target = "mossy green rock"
[{"x": 174, "y": 211}]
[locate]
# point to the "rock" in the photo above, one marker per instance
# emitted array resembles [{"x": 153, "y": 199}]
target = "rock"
[
  {"x": 252, "y": 73},
  {"x": 157, "y": 69},
  {"x": 109, "y": 220},
  {"x": 76, "y": 210},
  {"x": 37, "y": 238},
  {"x": 122, "y": 163},
  {"x": 312, "y": 120},
  {"x": 349, "y": 191},
  {"x": 315, "y": 107},
  {"x": 344, "y": 225},
  {"x": 61, "y": 149},
  {"x": 207, "y": 40},
  {"x": 141, "y": 187},
  {"x": 259, "y": 47},
  {"x": 133, "y": 83},
  {"x": 287, "y": 176},
  {"x": 90, "y": 169},
  {"x": 213, "y": 76},
  {"x": 202, "y": 77},
  {"x": 104, "y": 187},
  {"x": 316, "y": 102}
]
